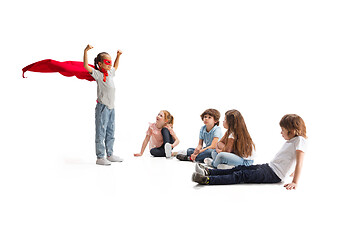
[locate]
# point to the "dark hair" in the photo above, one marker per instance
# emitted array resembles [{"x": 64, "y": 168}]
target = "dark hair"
[
  {"x": 212, "y": 112},
  {"x": 99, "y": 58}
]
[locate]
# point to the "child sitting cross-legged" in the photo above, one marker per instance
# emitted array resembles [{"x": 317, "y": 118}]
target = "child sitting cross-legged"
[{"x": 209, "y": 136}]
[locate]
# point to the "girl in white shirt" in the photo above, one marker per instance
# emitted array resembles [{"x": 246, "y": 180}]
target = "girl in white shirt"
[{"x": 293, "y": 130}]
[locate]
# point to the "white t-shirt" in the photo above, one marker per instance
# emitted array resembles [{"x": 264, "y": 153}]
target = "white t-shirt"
[
  {"x": 285, "y": 158},
  {"x": 105, "y": 90}
]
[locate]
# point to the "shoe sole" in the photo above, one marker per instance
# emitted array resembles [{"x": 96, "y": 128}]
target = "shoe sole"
[
  {"x": 167, "y": 150},
  {"x": 104, "y": 163},
  {"x": 182, "y": 157}
]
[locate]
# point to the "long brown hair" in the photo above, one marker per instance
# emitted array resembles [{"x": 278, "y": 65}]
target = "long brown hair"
[
  {"x": 293, "y": 123},
  {"x": 243, "y": 144}
]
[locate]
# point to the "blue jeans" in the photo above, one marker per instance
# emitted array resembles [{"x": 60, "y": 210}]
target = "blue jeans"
[
  {"x": 104, "y": 130},
  {"x": 201, "y": 156},
  {"x": 229, "y": 159},
  {"x": 261, "y": 173}
]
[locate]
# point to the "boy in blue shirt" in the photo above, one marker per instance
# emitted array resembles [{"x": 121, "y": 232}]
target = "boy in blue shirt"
[{"x": 209, "y": 135}]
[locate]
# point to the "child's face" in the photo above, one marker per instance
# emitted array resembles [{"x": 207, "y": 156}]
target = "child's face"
[
  {"x": 160, "y": 118},
  {"x": 286, "y": 135},
  {"x": 225, "y": 124},
  {"x": 106, "y": 63},
  {"x": 209, "y": 120}
]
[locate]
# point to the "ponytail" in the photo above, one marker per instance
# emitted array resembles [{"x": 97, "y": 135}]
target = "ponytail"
[
  {"x": 96, "y": 63},
  {"x": 169, "y": 119}
]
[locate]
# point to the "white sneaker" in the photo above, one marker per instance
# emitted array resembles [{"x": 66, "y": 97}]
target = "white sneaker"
[
  {"x": 208, "y": 161},
  {"x": 103, "y": 161},
  {"x": 225, "y": 166},
  {"x": 168, "y": 149},
  {"x": 199, "y": 168},
  {"x": 114, "y": 158}
]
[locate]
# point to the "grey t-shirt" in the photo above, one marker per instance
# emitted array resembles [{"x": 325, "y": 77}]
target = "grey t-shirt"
[{"x": 105, "y": 90}]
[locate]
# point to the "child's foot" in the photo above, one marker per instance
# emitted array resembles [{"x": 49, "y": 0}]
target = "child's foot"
[
  {"x": 208, "y": 161},
  {"x": 197, "y": 177},
  {"x": 201, "y": 169},
  {"x": 168, "y": 149},
  {"x": 183, "y": 157},
  {"x": 114, "y": 158},
  {"x": 225, "y": 166},
  {"x": 103, "y": 161}
]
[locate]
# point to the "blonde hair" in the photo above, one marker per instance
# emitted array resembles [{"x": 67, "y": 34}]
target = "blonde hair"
[
  {"x": 243, "y": 144},
  {"x": 293, "y": 123},
  {"x": 169, "y": 119}
]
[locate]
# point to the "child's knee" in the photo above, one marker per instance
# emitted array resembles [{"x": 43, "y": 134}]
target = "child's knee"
[{"x": 165, "y": 130}]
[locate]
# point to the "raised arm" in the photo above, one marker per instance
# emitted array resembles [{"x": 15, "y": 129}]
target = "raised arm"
[
  {"x": 116, "y": 63},
  {"x": 86, "y": 63},
  {"x": 298, "y": 166}
]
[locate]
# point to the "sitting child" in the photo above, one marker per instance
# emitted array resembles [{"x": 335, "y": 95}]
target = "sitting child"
[
  {"x": 236, "y": 147},
  {"x": 209, "y": 135},
  {"x": 293, "y": 130},
  {"x": 161, "y": 136}
]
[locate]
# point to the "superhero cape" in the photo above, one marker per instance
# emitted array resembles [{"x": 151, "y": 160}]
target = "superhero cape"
[{"x": 68, "y": 68}]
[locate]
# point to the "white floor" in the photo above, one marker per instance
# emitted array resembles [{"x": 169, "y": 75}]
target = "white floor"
[{"x": 73, "y": 198}]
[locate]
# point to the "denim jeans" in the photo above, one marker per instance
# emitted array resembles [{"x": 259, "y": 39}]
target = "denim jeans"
[
  {"x": 229, "y": 159},
  {"x": 201, "y": 156},
  {"x": 104, "y": 130},
  {"x": 260, "y": 173},
  {"x": 167, "y": 138}
]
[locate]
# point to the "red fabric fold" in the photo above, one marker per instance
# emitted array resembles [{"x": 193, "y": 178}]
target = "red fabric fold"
[{"x": 67, "y": 69}]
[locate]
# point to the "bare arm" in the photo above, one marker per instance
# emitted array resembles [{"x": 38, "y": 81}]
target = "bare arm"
[
  {"x": 86, "y": 63},
  {"x": 220, "y": 145},
  {"x": 212, "y": 146},
  {"x": 145, "y": 143},
  {"x": 199, "y": 147},
  {"x": 298, "y": 166},
  {"x": 176, "y": 142},
  {"x": 116, "y": 63},
  {"x": 197, "y": 150}
]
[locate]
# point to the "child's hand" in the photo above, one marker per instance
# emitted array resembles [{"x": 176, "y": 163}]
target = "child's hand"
[
  {"x": 197, "y": 151},
  {"x": 193, "y": 157},
  {"x": 88, "y": 47},
  {"x": 290, "y": 186},
  {"x": 119, "y": 52},
  {"x": 137, "y": 154}
]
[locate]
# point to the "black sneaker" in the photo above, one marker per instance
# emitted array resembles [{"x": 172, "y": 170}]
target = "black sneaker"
[
  {"x": 200, "y": 179},
  {"x": 183, "y": 157}
]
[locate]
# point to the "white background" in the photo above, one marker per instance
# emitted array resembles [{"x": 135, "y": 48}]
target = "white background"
[{"x": 264, "y": 58}]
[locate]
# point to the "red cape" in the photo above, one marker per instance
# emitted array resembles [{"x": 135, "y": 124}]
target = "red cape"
[{"x": 68, "y": 68}]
